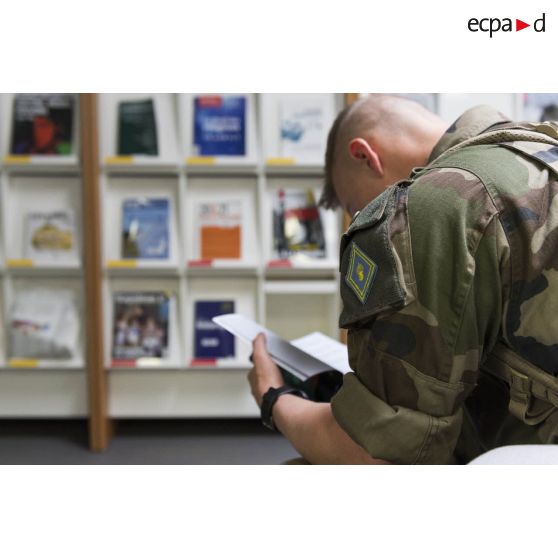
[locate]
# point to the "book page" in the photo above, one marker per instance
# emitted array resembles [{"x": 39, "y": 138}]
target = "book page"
[{"x": 326, "y": 349}]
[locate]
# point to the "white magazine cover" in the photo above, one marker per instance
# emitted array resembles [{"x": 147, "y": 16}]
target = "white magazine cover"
[
  {"x": 51, "y": 236},
  {"x": 303, "y": 128},
  {"x": 44, "y": 324}
]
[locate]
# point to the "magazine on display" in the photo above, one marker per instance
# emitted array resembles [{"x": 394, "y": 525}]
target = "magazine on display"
[
  {"x": 219, "y": 226},
  {"x": 42, "y": 124},
  {"x": 44, "y": 324},
  {"x": 297, "y": 226},
  {"x": 51, "y": 237},
  {"x": 211, "y": 341},
  {"x": 141, "y": 325},
  {"x": 145, "y": 228},
  {"x": 303, "y": 129},
  {"x": 137, "y": 128},
  {"x": 220, "y": 125},
  {"x": 315, "y": 362}
]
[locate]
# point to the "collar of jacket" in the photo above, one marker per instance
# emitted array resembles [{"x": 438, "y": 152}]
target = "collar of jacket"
[{"x": 471, "y": 123}]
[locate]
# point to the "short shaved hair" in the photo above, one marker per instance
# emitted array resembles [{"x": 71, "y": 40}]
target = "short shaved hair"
[{"x": 361, "y": 117}]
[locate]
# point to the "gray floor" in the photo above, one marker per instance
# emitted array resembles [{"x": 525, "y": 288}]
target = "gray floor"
[{"x": 144, "y": 442}]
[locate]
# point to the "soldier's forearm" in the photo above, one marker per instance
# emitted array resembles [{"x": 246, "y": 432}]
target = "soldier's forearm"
[{"x": 313, "y": 431}]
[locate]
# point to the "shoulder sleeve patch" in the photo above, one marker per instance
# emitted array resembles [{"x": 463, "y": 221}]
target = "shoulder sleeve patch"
[
  {"x": 361, "y": 272},
  {"x": 370, "y": 281}
]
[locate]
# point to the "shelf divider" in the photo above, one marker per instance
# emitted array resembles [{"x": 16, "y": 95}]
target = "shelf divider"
[{"x": 100, "y": 427}]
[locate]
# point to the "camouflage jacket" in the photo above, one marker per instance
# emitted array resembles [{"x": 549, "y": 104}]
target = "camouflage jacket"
[{"x": 449, "y": 281}]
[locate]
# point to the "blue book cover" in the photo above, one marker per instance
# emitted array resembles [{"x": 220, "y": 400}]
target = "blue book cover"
[
  {"x": 211, "y": 340},
  {"x": 220, "y": 125},
  {"x": 145, "y": 228}
]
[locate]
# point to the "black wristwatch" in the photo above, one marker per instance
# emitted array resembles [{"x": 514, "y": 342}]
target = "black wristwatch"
[{"x": 270, "y": 398}]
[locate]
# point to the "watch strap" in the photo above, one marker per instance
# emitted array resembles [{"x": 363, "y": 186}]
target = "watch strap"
[{"x": 270, "y": 398}]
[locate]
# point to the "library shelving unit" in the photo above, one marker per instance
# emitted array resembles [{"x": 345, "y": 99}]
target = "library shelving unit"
[
  {"x": 268, "y": 290},
  {"x": 37, "y": 387}
]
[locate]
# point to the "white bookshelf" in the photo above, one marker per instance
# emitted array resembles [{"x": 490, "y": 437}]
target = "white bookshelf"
[
  {"x": 35, "y": 388},
  {"x": 184, "y": 386}
]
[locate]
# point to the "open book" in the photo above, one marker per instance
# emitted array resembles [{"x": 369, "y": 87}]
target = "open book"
[{"x": 315, "y": 362}]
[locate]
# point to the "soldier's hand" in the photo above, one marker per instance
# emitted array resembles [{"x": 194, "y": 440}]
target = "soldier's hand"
[{"x": 265, "y": 373}]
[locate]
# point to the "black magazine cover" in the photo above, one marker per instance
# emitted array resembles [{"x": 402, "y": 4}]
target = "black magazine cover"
[
  {"x": 42, "y": 124},
  {"x": 137, "y": 128}
]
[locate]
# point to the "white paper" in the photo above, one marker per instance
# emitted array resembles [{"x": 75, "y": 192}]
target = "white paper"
[
  {"x": 326, "y": 349},
  {"x": 304, "y": 360}
]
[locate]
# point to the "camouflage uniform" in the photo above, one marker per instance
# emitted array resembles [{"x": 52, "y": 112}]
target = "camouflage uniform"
[{"x": 450, "y": 295}]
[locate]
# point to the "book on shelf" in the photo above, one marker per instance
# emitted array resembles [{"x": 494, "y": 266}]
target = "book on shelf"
[
  {"x": 220, "y": 125},
  {"x": 44, "y": 324},
  {"x": 211, "y": 341},
  {"x": 137, "y": 128},
  {"x": 315, "y": 362},
  {"x": 145, "y": 228},
  {"x": 298, "y": 232},
  {"x": 51, "y": 236},
  {"x": 141, "y": 325},
  {"x": 303, "y": 128},
  {"x": 42, "y": 124},
  {"x": 539, "y": 107},
  {"x": 219, "y": 226}
]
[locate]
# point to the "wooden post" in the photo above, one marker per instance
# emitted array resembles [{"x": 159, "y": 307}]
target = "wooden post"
[{"x": 99, "y": 425}]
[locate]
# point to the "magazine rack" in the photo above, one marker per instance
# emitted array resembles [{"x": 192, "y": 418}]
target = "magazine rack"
[
  {"x": 32, "y": 387},
  {"x": 186, "y": 386}
]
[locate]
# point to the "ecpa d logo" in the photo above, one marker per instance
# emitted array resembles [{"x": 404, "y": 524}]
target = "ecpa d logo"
[{"x": 495, "y": 24}]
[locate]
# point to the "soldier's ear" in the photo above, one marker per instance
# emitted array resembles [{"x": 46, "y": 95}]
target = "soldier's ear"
[{"x": 360, "y": 150}]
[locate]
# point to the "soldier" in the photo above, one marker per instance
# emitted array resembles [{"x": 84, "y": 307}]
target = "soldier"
[{"x": 449, "y": 282}]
